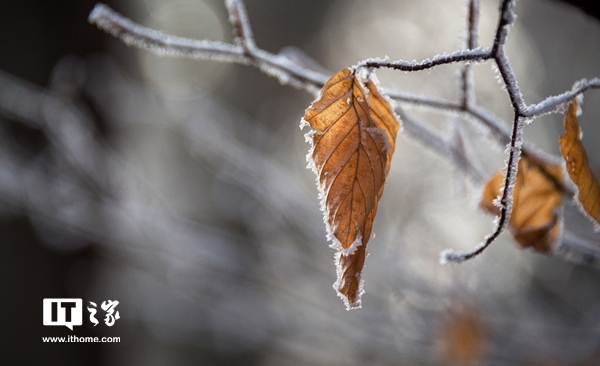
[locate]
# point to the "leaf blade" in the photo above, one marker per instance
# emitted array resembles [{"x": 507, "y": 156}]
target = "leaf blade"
[
  {"x": 353, "y": 136},
  {"x": 576, "y": 159},
  {"x": 537, "y": 200}
]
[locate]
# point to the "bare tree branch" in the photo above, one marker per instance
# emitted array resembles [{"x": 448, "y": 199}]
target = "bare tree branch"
[
  {"x": 289, "y": 71},
  {"x": 136, "y": 35}
]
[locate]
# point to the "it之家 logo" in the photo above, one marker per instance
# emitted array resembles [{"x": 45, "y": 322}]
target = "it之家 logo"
[{"x": 69, "y": 312}]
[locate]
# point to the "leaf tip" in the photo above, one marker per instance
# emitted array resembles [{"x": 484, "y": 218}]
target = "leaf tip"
[
  {"x": 349, "y": 285},
  {"x": 351, "y": 302}
]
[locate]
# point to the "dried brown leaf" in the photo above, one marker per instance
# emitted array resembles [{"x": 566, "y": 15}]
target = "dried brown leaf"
[
  {"x": 463, "y": 339},
  {"x": 353, "y": 138},
  {"x": 537, "y": 200},
  {"x": 578, "y": 167}
]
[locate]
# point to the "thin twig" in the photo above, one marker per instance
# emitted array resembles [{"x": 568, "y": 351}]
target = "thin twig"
[
  {"x": 443, "y": 146},
  {"x": 507, "y": 17},
  {"x": 136, "y": 35},
  {"x": 467, "y": 96},
  {"x": 474, "y": 55},
  {"x": 133, "y": 34},
  {"x": 553, "y": 104},
  {"x": 240, "y": 24},
  {"x": 498, "y": 129},
  {"x": 576, "y": 249},
  {"x": 505, "y": 200}
]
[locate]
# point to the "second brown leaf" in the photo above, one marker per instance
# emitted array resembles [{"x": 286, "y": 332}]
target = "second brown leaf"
[
  {"x": 352, "y": 140},
  {"x": 537, "y": 200},
  {"x": 575, "y": 156}
]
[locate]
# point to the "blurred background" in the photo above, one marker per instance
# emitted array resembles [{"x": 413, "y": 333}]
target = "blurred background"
[{"x": 178, "y": 187}]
